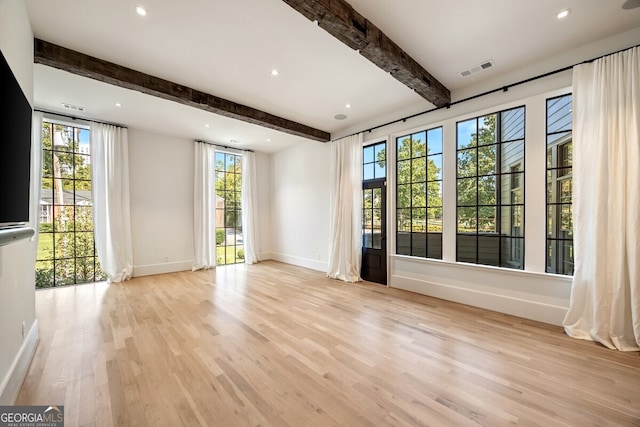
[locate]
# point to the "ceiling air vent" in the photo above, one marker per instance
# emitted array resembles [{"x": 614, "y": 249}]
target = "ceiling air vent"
[
  {"x": 477, "y": 68},
  {"x": 72, "y": 107}
]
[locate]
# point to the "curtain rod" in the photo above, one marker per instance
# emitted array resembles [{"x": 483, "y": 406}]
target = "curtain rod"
[
  {"x": 500, "y": 89},
  {"x": 224, "y": 146},
  {"x": 78, "y": 118}
]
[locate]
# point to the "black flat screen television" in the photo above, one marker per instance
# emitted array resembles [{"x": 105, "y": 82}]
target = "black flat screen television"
[{"x": 15, "y": 149}]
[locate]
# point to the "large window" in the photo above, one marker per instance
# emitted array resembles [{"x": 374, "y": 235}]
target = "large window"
[
  {"x": 490, "y": 189},
  {"x": 229, "y": 241},
  {"x": 419, "y": 194},
  {"x": 66, "y": 248},
  {"x": 374, "y": 170},
  {"x": 559, "y": 186}
]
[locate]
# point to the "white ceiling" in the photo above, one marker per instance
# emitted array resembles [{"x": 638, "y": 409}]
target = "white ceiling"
[{"x": 228, "y": 48}]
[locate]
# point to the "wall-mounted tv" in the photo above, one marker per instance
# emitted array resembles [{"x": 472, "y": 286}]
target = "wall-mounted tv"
[{"x": 15, "y": 150}]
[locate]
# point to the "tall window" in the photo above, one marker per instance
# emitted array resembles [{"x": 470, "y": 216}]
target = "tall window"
[
  {"x": 559, "y": 186},
  {"x": 229, "y": 242},
  {"x": 490, "y": 196},
  {"x": 374, "y": 168},
  {"x": 66, "y": 248},
  {"x": 419, "y": 194}
]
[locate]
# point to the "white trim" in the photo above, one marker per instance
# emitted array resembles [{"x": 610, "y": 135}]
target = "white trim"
[
  {"x": 12, "y": 383},
  {"x": 528, "y": 309},
  {"x": 301, "y": 262},
  {"x": 163, "y": 268}
]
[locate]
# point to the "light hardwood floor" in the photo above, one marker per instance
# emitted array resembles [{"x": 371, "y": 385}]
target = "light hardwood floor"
[{"x": 276, "y": 345}]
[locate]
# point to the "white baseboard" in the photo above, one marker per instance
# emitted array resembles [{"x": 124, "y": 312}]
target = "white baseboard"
[
  {"x": 528, "y": 309},
  {"x": 12, "y": 383},
  {"x": 301, "y": 262},
  {"x": 165, "y": 267}
]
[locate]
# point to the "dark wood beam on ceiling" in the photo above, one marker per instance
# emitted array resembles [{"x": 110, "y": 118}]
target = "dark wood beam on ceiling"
[
  {"x": 343, "y": 22},
  {"x": 84, "y": 65}
]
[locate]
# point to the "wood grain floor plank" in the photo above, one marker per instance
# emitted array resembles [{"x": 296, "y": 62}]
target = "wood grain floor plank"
[{"x": 277, "y": 345}]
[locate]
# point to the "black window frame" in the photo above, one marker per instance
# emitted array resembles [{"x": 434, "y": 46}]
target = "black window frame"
[
  {"x": 559, "y": 248},
  {"x": 418, "y": 240},
  {"x": 486, "y": 247}
]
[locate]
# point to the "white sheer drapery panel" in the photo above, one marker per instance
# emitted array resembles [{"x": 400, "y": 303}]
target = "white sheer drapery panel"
[
  {"x": 605, "y": 296},
  {"x": 110, "y": 193},
  {"x": 204, "y": 207},
  {"x": 36, "y": 171},
  {"x": 249, "y": 207},
  {"x": 345, "y": 242}
]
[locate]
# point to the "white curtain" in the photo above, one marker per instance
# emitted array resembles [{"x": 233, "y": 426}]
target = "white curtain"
[
  {"x": 345, "y": 244},
  {"x": 111, "y": 212},
  {"x": 250, "y": 233},
  {"x": 204, "y": 207},
  {"x": 36, "y": 173},
  {"x": 605, "y": 297}
]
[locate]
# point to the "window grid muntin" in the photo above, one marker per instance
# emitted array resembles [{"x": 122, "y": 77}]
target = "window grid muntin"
[
  {"x": 559, "y": 242},
  {"x": 228, "y": 172},
  {"x": 475, "y": 237},
  {"x": 56, "y": 268},
  {"x": 408, "y": 180},
  {"x": 373, "y": 155}
]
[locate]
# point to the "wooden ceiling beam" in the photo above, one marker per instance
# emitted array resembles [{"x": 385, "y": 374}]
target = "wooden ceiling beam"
[
  {"x": 343, "y": 22},
  {"x": 87, "y": 66}
]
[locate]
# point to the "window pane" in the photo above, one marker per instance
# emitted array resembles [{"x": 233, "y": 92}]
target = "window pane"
[
  {"x": 434, "y": 190},
  {"x": 419, "y": 220},
  {"x": 368, "y": 154},
  {"x": 559, "y": 114},
  {"x": 512, "y": 124},
  {"x": 380, "y": 152},
  {"x": 487, "y": 190},
  {"x": 487, "y": 130},
  {"x": 512, "y": 153},
  {"x": 467, "y": 134},
  {"x": 434, "y": 141},
  {"x": 467, "y": 192},
  {"x": 404, "y": 220},
  {"x": 434, "y": 220},
  {"x": 404, "y": 172},
  {"x": 368, "y": 171},
  {"x": 434, "y": 165},
  {"x": 404, "y": 196},
  {"x": 419, "y": 244},
  {"x": 466, "y": 248},
  {"x": 467, "y": 220},
  {"x": 419, "y": 144},
  {"x": 559, "y": 185},
  {"x": 487, "y": 160},
  {"x": 419, "y": 170},
  {"x": 380, "y": 170},
  {"x": 467, "y": 163},
  {"x": 419, "y": 195},
  {"x": 489, "y": 250},
  {"x": 404, "y": 147},
  {"x": 487, "y": 220}
]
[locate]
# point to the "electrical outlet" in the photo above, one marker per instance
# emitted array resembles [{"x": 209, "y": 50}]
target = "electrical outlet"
[{"x": 166, "y": 259}]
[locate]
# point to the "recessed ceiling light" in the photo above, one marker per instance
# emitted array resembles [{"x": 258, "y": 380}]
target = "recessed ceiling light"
[
  {"x": 207, "y": 125},
  {"x": 340, "y": 116},
  {"x": 141, "y": 11},
  {"x": 348, "y": 106},
  {"x": 268, "y": 139},
  {"x": 118, "y": 104},
  {"x": 274, "y": 72},
  {"x": 563, "y": 14}
]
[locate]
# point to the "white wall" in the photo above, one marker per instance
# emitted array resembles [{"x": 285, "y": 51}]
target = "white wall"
[
  {"x": 161, "y": 189},
  {"x": 300, "y": 207},
  {"x": 17, "y": 260}
]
